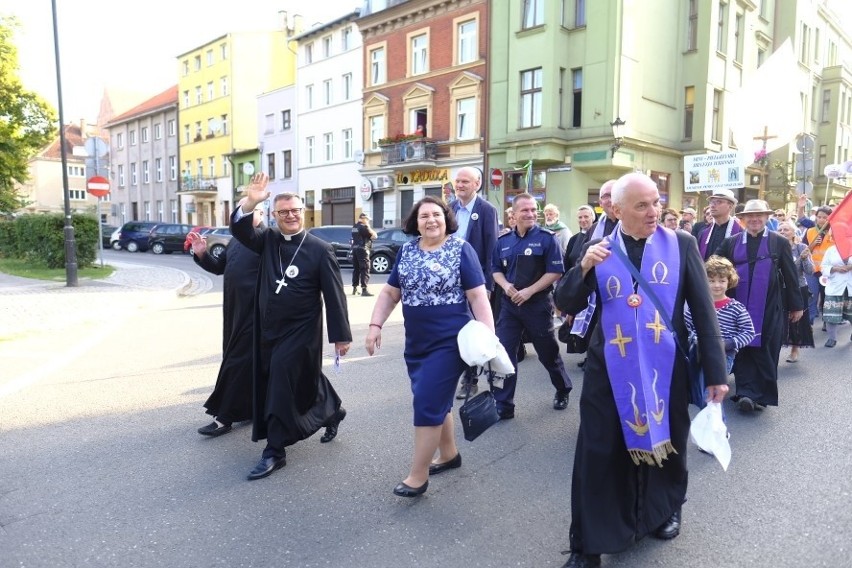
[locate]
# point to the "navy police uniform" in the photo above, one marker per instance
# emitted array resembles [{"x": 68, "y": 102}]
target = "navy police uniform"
[{"x": 524, "y": 260}]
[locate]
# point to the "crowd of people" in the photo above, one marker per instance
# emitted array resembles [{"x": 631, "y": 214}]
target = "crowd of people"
[{"x": 637, "y": 283}]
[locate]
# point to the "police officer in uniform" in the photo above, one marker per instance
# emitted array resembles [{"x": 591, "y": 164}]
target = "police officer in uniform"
[
  {"x": 362, "y": 240},
  {"x": 526, "y": 263}
]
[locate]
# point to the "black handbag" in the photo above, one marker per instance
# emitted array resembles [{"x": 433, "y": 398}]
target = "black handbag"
[
  {"x": 574, "y": 343},
  {"x": 478, "y": 414}
]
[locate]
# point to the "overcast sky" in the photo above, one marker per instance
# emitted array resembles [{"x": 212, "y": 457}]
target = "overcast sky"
[{"x": 133, "y": 45}]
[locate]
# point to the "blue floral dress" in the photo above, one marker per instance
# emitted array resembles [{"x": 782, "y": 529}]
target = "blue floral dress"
[{"x": 435, "y": 308}]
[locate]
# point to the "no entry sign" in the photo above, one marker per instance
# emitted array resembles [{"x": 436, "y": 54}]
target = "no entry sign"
[
  {"x": 496, "y": 177},
  {"x": 98, "y": 186}
]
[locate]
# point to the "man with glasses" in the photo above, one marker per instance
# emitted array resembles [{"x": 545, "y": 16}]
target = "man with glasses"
[
  {"x": 292, "y": 397},
  {"x": 721, "y": 204}
]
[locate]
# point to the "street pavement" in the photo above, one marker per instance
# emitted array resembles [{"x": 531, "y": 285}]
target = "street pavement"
[{"x": 101, "y": 392}]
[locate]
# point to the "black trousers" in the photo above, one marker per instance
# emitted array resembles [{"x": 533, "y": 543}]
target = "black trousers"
[{"x": 360, "y": 267}]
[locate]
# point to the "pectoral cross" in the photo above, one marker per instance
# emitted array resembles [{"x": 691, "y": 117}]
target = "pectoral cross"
[{"x": 280, "y": 283}]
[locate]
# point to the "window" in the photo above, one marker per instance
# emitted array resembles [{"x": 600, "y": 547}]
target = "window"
[
  {"x": 574, "y": 13},
  {"x": 121, "y": 179},
  {"x": 186, "y": 99},
  {"x": 328, "y": 143},
  {"x": 347, "y": 143},
  {"x": 209, "y": 57},
  {"x": 270, "y": 165},
  {"x": 146, "y": 174},
  {"x": 226, "y": 166},
  {"x": 199, "y": 168},
  {"x": 119, "y": 140},
  {"x": 309, "y": 149},
  {"x": 419, "y": 54},
  {"x": 347, "y": 86},
  {"x": 285, "y": 119},
  {"x": 377, "y": 131},
  {"x": 132, "y": 137},
  {"x": 345, "y": 39},
  {"x": 144, "y": 134},
  {"x": 530, "y": 98},
  {"x": 309, "y": 53},
  {"x": 823, "y": 160},
  {"x": 172, "y": 168},
  {"x": 377, "y": 66},
  {"x": 172, "y": 127},
  {"x": 187, "y": 173},
  {"x": 806, "y": 44},
  {"x": 158, "y": 169},
  {"x": 210, "y": 92},
  {"x": 814, "y": 94},
  {"x": 761, "y": 56},
  {"x": 692, "y": 26},
  {"x": 223, "y": 86},
  {"x": 185, "y": 67},
  {"x": 211, "y": 166},
  {"x": 817, "y": 57},
  {"x": 739, "y": 36},
  {"x": 688, "y": 112},
  {"x": 173, "y": 209},
  {"x": 77, "y": 194},
  {"x": 158, "y": 131},
  {"x": 269, "y": 121},
  {"x": 826, "y": 106},
  {"x": 224, "y": 119},
  {"x": 716, "y": 135},
  {"x": 186, "y": 133},
  {"x": 76, "y": 171},
  {"x": 147, "y": 210},
  {"x": 577, "y": 97},
  {"x": 197, "y": 61},
  {"x": 198, "y": 130},
  {"x": 198, "y": 97},
  {"x": 133, "y": 179},
  {"x": 287, "y": 162},
  {"x": 326, "y": 91},
  {"x": 159, "y": 210},
  {"x": 721, "y": 40},
  {"x": 762, "y": 9},
  {"x": 533, "y": 13},
  {"x": 468, "y": 45},
  {"x": 326, "y": 48},
  {"x": 466, "y": 118},
  {"x": 309, "y": 97}
]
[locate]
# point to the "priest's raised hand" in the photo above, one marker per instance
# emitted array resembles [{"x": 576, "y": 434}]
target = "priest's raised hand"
[{"x": 255, "y": 191}]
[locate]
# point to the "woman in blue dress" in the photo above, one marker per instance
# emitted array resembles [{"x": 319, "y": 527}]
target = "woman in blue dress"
[{"x": 439, "y": 280}]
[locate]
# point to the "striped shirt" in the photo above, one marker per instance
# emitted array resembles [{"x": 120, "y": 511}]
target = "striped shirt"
[{"x": 734, "y": 322}]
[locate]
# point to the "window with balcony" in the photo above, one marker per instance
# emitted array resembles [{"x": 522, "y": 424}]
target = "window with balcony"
[
  {"x": 531, "y": 98},
  {"x": 533, "y": 13},
  {"x": 199, "y": 168},
  {"x": 287, "y": 164},
  {"x": 377, "y": 130},
  {"x": 378, "y": 69},
  {"x": 211, "y": 166},
  {"x": 420, "y": 54},
  {"x": 467, "y": 42},
  {"x": 688, "y": 112}
]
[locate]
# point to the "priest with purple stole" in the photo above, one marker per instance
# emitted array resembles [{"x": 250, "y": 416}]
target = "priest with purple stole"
[
  {"x": 293, "y": 399},
  {"x": 630, "y": 475},
  {"x": 721, "y": 205},
  {"x": 768, "y": 288}
]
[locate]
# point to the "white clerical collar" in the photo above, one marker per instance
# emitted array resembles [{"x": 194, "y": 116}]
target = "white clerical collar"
[{"x": 290, "y": 237}]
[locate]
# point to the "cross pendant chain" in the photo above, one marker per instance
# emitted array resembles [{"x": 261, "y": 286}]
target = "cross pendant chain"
[{"x": 280, "y": 283}]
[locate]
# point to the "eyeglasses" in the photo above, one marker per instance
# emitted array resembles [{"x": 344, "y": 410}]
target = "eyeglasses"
[{"x": 294, "y": 212}]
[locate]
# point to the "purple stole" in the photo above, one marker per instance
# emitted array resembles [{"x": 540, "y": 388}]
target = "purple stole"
[
  {"x": 753, "y": 289},
  {"x": 734, "y": 228},
  {"x": 639, "y": 350}
]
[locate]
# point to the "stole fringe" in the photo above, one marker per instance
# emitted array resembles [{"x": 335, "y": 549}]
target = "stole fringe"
[{"x": 655, "y": 457}]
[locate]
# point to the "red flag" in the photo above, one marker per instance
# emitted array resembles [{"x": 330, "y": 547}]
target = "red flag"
[{"x": 841, "y": 226}]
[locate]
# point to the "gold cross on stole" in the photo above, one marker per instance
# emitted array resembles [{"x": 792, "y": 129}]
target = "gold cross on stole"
[
  {"x": 657, "y": 326},
  {"x": 620, "y": 340}
]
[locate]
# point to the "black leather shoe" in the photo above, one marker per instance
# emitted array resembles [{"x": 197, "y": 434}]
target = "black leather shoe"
[
  {"x": 439, "y": 467},
  {"x": 331, "y": 427},
  {"x": 403, "y": 490},
  {"x": 213, "y": 429},
  {"x": 577, "y": 560},
  {"x": 745, "y": 404},
  {"x": 266, "y": 466},
  {"x": 560, "y": 401},
  {"x": 669, "y": 529},
  {"x": 462, "y": 394},
  {"x": 506, "y": 414},
  {"x": 582, "y": 363}
]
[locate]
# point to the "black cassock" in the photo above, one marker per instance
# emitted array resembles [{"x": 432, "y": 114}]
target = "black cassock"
[
  {"x": 290, "y": 388},
  {"x": 231, "y": 400},
  {"x": 613, "y": 501},
  {"x": 756, "y": 368}
]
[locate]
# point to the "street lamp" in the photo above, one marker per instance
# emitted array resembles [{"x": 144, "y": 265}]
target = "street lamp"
[{"x": 616, "y": 134}]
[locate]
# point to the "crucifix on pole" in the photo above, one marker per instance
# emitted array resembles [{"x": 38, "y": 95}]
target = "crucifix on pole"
[{"x": 764, "y": 162}]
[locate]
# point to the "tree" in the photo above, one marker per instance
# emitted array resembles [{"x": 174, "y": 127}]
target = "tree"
[{"x": 27, "y": 122}]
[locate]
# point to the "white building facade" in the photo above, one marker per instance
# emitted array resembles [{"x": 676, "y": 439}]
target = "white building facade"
[{"x": 276, "y": 123}]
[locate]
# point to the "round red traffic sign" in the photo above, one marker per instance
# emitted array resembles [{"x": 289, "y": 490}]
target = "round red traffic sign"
[
  {"x": 496, "y": 176},
  {"x": 98, "y": 186}
]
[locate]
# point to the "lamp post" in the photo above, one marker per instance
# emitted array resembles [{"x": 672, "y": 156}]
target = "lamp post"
[
  {"x": 70, "y": 247},
  {"x": 616, "y": 134}
]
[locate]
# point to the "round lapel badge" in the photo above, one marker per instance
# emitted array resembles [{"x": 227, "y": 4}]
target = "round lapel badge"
[
  {"x": 292, "y": 271},
  {"x": 475, "y": 216},
  {"x": 527, "y": 251},
  {"x": 634, "y": 300}
]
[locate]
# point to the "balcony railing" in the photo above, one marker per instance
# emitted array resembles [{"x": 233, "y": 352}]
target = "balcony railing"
[
  {"x": 409, "y": 151},
  {"x": 198, "y": 183}
]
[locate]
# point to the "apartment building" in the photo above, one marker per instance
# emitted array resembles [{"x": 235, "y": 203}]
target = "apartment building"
[
  {"x": 329, "y": 88},
  {"x": 144, "y": 161},
  {"x": 425, "y": 99},
  {"x": 278, "y": 155}
]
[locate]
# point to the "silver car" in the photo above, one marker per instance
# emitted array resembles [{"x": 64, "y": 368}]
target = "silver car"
[{"x": 217, "y": 239}]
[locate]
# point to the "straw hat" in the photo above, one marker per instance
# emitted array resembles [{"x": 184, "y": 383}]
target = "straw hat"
[
  {"x": 725, "y": 194},
  {"x": 755, "y": 206}
]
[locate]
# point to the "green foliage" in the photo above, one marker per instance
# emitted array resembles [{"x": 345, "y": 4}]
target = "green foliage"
[
  {"x": 27, "y": 122},
  {"x": 40, "y": 239}
]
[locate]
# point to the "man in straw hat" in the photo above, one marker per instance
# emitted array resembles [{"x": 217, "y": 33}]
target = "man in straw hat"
[
  {"x": 722, "y": 204},
  {"x": 769, "y": 288}
]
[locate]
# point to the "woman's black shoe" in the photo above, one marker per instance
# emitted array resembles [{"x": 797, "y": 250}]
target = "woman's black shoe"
[
  {"x": 403, "y": 490},
  {"x": 439, "y": 467},
  {"x": 331, "y": 427}
]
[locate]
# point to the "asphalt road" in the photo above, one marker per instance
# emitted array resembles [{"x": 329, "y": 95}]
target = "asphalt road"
[{"x": 101, "y": 465}]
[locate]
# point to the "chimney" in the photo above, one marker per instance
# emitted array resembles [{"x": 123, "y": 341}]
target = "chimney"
[
  {"x": 297, "y": 23},
  {"x": 283, "y": 20},
  {"x": 83, "y": 127}
]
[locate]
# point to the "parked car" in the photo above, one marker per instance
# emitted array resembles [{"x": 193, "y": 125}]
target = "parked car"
[
  {"x": 113, "y": 239},
  {"x": 217, "y": 239},
  {"x": 106, "y": 234},
  {"x": 134, "y": 236},
  {"x": 385, "y": 246},
  {"x": 168, "y": 237},
  {"x": 201, "y": 230}
]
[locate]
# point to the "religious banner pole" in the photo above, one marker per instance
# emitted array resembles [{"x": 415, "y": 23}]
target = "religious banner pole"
[{"x": 762, "y": 158}]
